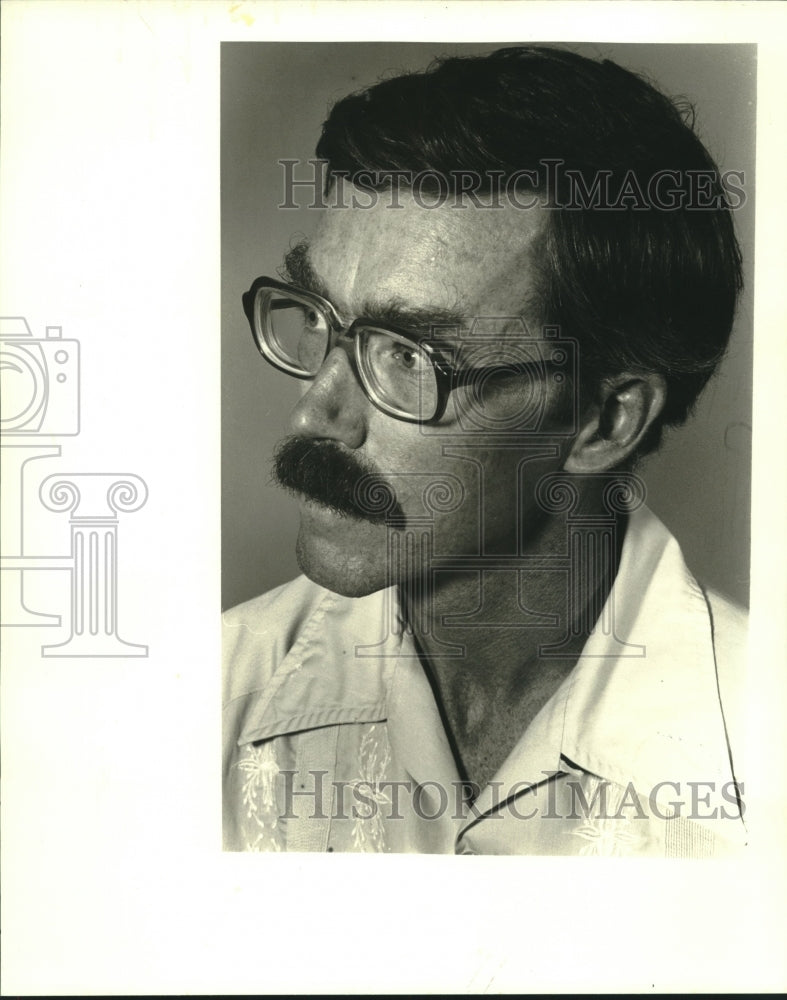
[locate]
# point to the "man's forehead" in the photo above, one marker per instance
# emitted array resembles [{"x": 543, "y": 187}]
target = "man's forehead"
[
  {"x": 299, "y": 270},
  {"x": 464, "y": 259}
]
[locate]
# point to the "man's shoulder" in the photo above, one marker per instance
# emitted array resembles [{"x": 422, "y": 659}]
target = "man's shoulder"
[
  {"x": 730, "y": 628},
  {"x": 258, "y": 634},
  {"x": 684, "y": 594},
  {"x": 730, "y": 620}
]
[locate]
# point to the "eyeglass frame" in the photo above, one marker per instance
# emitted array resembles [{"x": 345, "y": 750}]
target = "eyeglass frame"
[{"x": 447, "y": 375}]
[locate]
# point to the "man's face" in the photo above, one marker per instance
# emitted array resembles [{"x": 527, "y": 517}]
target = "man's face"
[{"x": 468, "y": 261}]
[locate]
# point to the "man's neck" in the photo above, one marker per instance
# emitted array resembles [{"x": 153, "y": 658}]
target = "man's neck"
[{"x": 496, "y": 644}]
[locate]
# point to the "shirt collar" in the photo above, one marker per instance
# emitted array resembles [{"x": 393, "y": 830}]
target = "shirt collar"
[
  {"x": 642, "y": 704},
  {"x": 338, "y": 670}
]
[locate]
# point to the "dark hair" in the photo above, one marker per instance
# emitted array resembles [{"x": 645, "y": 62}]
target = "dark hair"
[{"x": 642, "y": 288}]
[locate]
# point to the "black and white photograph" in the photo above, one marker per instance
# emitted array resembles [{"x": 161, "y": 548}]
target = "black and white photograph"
[
  {"x": 500, "y": 280},
  {"x": 392, "y": 439}
]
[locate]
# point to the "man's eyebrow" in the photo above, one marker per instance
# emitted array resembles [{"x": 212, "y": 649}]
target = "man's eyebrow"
[
  {"x": 298, "y": 270},
  {"x": 420, "y": 319}
]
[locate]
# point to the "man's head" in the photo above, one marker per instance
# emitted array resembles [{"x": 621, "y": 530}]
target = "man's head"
[
  {"x": 647, "y": 276},
  {"x": 646, "y": 292}
]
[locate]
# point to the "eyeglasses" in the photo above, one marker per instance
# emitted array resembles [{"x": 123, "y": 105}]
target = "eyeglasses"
[{"x": 402, "y": 373}]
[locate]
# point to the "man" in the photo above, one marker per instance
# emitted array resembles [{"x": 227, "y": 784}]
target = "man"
[{"x": 525, "y": 269}]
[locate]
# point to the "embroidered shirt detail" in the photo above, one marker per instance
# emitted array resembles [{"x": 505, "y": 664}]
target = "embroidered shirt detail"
[
  {"x": 261, "y": 769},
  {"x": 368, "y": 833},
  {"x": 611, "y": 834}
]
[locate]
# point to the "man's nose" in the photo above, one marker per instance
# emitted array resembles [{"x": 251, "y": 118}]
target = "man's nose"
[{"x": 334, "y": 406}]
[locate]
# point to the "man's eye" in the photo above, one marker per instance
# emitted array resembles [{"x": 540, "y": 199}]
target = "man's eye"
[
  {"x": 313, "y": 320},
  {"x": 410, "y": 360},
  {"x": 406, "y": 358}
]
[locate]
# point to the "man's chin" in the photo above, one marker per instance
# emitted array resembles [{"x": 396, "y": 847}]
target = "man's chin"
[{"x": 343, "y": 554}]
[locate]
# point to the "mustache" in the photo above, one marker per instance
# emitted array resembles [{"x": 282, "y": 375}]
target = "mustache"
[{"x": 323, "y": 471}]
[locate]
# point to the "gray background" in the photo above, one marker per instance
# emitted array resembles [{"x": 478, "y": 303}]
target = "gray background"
[{"x": 274, "y": 97}]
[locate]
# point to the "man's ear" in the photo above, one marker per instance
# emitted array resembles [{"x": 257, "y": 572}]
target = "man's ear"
[{"x": 615, "y": 423}]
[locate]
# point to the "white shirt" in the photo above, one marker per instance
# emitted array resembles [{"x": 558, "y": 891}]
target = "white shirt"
[{"x": 333, "y": 740}]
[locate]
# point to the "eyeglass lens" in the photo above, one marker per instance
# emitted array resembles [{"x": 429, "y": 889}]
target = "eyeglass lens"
[
  {"x": 395, "y": 371},
  {"x": 298, "y": 333}
]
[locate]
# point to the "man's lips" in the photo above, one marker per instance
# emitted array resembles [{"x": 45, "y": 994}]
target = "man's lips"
[{"x": 315, "y": 510}]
